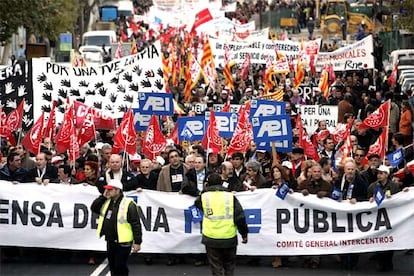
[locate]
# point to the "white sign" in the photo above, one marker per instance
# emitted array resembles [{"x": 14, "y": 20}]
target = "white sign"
[
  {"x": 312, "y": 114},
  {"x": 45, "y": 216},
  {"x": 259, "y": 50},
  {"x": 111, "y": 87},
  {"x": 357, "y": 56}
]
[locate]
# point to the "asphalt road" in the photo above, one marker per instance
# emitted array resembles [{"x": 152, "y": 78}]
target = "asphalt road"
[{"x": 57, "y": 262}]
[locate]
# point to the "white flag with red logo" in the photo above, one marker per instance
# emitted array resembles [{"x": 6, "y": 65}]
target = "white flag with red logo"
[
  {"x": 153, "y": 141},
  {"x": 379, "y": 118}
]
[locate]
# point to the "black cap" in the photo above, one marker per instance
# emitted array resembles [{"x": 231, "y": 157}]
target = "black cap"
[
  {"x": 298, "y": 150},
  {"x": 374, "y": 155}
]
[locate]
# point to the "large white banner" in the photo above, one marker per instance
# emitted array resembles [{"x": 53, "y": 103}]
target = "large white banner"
[
  {"x": 311, "y": 115},
  {"x": 357, "y": 56},
  {"x": 111, "y": 87},
  {"x": 259, "y": 50},
  {"x": 58, "y": 216}
]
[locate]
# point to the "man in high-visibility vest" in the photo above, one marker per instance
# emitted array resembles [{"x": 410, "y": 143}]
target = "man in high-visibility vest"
[
  {"x": 119, "y": 223},
  {"x": 222, "y": 217}
]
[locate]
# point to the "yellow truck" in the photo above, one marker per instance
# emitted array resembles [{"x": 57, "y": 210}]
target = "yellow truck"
[{"x": 331, "y": 20}]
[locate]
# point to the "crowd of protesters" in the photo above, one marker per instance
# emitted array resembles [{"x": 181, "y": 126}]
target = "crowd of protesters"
[{"x": 184, "y": 168}]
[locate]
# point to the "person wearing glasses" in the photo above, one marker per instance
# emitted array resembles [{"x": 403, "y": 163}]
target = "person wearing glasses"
[{"x": 358, "y": 157}]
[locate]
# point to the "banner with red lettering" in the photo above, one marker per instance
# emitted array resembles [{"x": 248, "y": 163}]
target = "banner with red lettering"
[
  {"x": 45, "y": 216},
  {"x": 357, "y": 56}
]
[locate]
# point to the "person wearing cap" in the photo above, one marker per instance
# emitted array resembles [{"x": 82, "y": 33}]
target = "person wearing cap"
[
  {"x": 223, "y": 216},
  {"x": 388, "y": 187},
  {"x": 248, "y": 95},
  {"x": 134, "y": 161},
  {"x": 370, "y": 173},
  {"x": 120, "y": 224},
  {"x": 297, "y": 159}
]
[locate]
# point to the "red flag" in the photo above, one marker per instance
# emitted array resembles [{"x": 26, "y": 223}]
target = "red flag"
[
  {"x": 4, "y": 130},
  {"x": 238, "y": 142},
  {"x": 73, "y": 143},
  {"x": 226, "y": 106},
  {"x": 174, "y": 134},
  {"x": 379, "y": 147},
  {"x": 212, "y": 140},
  {"x": 305, "y": 142},
  {"x": 245, "y": 67},
  {"x": 101, "y": 120},
  {"x": 379, "y": 118},
  {"x": 14, "y": 119},
  {"x": 125, "y": 137},
  {"x": 202, "y": 17},
  {"x": 124, "y": 36},
  {"x": 87, "y": 130},
  {"x": 50, "y": 130},
  {"x": 33, "y": 137},
  {"x": 66, "y": 130},
  {"x": 347, "y": 146},
  {"x": 392, "y": 79},
  {"x": 153, "y": 141},
  {"x": 339, "y": 133}
]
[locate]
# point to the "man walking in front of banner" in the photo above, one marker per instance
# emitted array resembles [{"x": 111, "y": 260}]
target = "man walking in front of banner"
[
  {"x": 119, "y": 223},
  {"x": 223, "y": 216}
]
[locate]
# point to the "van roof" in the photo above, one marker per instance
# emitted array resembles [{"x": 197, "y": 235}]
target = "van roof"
[{"x": 108, "y": 32}]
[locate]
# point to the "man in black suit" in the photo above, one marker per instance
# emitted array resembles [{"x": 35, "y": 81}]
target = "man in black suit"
[
  {"x": 195, "y": 179},
  {"x": 43, "y": 172}
]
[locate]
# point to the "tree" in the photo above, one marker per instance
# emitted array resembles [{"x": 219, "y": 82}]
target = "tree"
[
  {"x": 45, "y": 18},
  {"x": 405, "y": 14}
]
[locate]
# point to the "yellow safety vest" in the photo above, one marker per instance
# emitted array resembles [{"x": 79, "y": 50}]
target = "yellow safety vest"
[
  {"x": 124, "y": 229},
  {"x": 218, "y": 208}
]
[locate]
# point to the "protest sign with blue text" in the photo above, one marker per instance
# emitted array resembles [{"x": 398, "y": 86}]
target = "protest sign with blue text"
[
  {"x": 156, "y": 103},
  {"x": 191, "y": 128},
  {"x": 271, "y": 128},
  {"x": 266, "y": 108},
  {"x": 226, "y": 123},
  {"x": 141, "y": 120}
]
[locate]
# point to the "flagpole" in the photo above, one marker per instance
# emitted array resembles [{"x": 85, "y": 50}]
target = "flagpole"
[
  {"x": 387, "y": 131},
  {"x": 21, "y": 128}
]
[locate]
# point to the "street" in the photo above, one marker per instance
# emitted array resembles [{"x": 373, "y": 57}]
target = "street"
[{"x": 58, "y": 262}]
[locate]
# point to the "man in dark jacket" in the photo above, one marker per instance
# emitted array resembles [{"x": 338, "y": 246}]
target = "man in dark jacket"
[
  {"x": 13, "y": 170},
  {"x": 220, "y": 227},
  {"x": 195, "y": 179},
  {"x": 44, "y": 172},
  {"x": 120, "y": 233}
]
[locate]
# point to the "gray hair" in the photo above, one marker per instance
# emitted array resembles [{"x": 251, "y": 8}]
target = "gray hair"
[{"x": 254, "y": 165}]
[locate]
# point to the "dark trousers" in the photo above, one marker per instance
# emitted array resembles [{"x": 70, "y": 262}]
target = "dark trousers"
[
  {"x": 221, "y": 260},
  {"x": 118, "y": 257}
]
